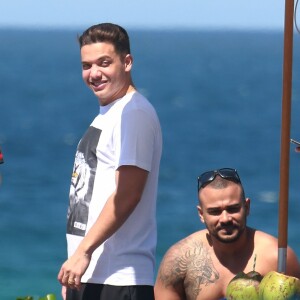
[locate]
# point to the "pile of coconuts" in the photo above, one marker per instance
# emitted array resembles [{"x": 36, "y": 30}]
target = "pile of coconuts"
[{"x": 273, "y": 286}]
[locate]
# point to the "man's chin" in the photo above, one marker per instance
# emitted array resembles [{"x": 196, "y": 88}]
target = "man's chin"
[{"x": 228, "y": 237}]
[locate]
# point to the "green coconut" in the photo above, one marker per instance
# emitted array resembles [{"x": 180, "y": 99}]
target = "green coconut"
[
  {"x": 278, "y": 286},
  {"x": 244, "y": 286}
]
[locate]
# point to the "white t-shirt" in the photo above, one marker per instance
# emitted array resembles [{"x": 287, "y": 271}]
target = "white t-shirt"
[{"x": 126, "y": 132}]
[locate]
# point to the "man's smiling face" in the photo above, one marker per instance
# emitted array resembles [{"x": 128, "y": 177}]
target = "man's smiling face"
[{"x": 105, "y": 72}]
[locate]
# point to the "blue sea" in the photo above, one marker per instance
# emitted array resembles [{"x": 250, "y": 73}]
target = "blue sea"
[{"x": 218, "y": 95}]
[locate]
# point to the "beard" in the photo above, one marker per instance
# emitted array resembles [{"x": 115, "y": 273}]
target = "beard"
[
  {"x": 230, "y": 238},
  {"x": 228, "y": 233}
]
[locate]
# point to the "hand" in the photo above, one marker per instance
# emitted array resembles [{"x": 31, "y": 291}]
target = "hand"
[
  {"x": 297, "y": 149},
  {"x": 72, "y": 270}
]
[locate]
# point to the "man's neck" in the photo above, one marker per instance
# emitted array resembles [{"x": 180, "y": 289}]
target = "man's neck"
[
  {"x": 131, "y": 88},
  {"x": 235, "y": 253}
]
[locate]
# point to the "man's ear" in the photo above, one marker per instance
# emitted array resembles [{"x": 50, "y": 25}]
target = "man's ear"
[
  {"x": 128, "y": 61},
  {"x": 200, "y": 213},
  {"x": 247, "y": 206}
]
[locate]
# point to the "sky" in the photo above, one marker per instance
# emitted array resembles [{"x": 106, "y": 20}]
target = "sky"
[{"x": 140, "y": 14}]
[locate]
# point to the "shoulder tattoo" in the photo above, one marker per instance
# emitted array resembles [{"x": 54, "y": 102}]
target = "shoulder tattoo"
[{"x": 188, "y": 266}]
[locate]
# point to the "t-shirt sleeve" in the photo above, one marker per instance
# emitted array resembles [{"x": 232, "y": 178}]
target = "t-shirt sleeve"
[{"x": 137, "y": 139}]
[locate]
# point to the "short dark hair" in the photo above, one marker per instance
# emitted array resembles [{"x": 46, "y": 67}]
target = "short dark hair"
[
  {"x": 221, "y": 183},
  {"x": 107, "y": 32}
]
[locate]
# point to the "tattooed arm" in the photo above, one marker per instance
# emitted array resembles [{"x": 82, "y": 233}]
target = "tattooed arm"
[
  {"x": 186, "y": 270},
  {"x": 170, "y": 278}
]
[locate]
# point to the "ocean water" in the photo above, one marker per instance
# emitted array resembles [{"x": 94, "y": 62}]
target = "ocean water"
[{"x": 218, "y": 96}]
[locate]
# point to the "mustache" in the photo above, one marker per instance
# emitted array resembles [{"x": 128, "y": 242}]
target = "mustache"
[{"x": 229, "y": 224}]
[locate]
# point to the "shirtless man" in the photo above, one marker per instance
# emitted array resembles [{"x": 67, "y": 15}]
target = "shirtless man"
[{"x": 201, "y": 265}]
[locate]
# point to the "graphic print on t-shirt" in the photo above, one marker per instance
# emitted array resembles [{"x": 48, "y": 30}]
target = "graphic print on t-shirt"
[{"x": 82, "y": 182}]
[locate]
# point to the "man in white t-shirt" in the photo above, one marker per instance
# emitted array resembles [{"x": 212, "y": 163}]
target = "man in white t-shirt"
[{"x": 111, "y": 228}]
